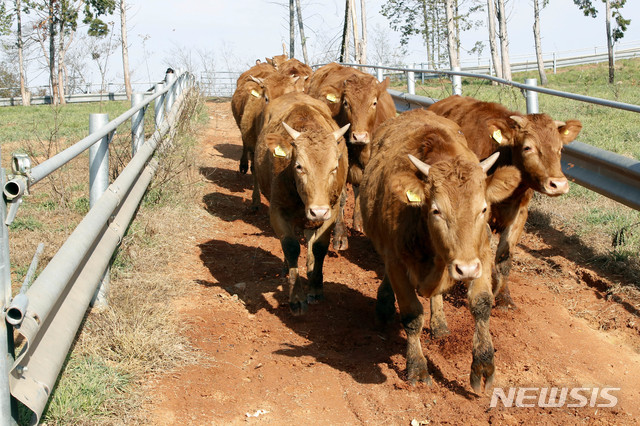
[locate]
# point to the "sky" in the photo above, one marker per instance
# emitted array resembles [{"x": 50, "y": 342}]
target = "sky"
[{"x": 232, "y": 34}]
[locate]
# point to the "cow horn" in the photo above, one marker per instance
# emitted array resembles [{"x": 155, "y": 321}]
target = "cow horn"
[
  {"x": 341, "y": 131},
  {"x": 257, "y": 80},
  {"x": 489, "y": 161},
  {"x": 559, "y": 123},
  {"x": 422, "y": 166},
  {"x": 293, "y": 133},
  {"x": 520, "y": 120}
]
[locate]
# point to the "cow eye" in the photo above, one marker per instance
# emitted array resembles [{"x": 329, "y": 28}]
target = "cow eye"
[
  {"x": 484, "y": 210},
  {"x": 375, "y": 103},
  {"x": 335, "y": 170},
  {"x": 435, "y": 212},
  {"x": 299, "y": 168},
  {"x": 345, "y": 103},
  {"x": 266, "y": 99},
  {"x": 527, "y": 148}
]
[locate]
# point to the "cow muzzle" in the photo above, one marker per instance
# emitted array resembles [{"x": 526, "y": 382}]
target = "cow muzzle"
[
  {"x": 360, "y": 137},
  {"x": 465, "y": 271},
  {"x": 319, "y": 213},
  {"x": 556, "y": 186}
]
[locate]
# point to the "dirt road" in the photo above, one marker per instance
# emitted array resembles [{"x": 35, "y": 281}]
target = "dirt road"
[{"x": 333, "y": 366}]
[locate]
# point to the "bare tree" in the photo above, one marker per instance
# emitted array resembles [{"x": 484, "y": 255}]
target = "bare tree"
[
  {"x": 452, "y": 39},
  {"x": 292, "y": 30},
  {"x": 495, "y": 58},
  {"x": 303, "y": 40},
  {"x": 363, "y": 40},
  {"x": 536, "y": 35},
  {"x": 354, "y": 28},
  {"x": 344, "y": 51},
  {"x": 25, "y": 95},
  {"x": 504, "y": 41},
  {"x": 125, "y": 48}
]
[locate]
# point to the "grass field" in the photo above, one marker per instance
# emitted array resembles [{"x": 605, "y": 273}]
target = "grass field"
[{"x": 118, "y": 348}]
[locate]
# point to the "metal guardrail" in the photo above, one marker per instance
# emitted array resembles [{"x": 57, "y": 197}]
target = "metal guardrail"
[
  {"x": 607, "y": 173},
  {"x": 71, "y": 99},
  {"x": 47, "y": 314}
]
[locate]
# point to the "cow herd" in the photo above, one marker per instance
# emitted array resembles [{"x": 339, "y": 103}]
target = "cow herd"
[{"x": 429, "y": 185}]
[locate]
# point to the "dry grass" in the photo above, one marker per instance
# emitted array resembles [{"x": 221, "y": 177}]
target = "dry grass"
[{"x": 120, "y": 347}]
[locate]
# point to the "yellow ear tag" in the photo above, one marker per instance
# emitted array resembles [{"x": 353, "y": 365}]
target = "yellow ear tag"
[
  {"x": 255, "y": 93},
  {"x": 566, "y": 131},
  {"x": 413, "y": 197},
  {"x": 497, "y": 136},
  {"x": 332, "y": 98},
  {"x": 279, "y": 152}
]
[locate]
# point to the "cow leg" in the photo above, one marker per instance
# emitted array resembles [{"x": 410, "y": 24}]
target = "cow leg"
[
  {"x": 482, "y": 367},
  {"x": 438, "y": 322},
  {"x": 291, "y": 249},
  {"x": 340, "y": 241},
  {"x": 244, "y": 160},
  {"x": 357, "y": 214},
  {"x": 255, "y": 195},
  {"x": 412, "y": 318},
  {"x": 516, "y": 219},
  {"x": 318, "y": 246},
  {"x": 385, "y": 303}
]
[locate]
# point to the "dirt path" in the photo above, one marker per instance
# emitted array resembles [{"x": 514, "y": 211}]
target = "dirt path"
[{"x": 259, "y": 364}]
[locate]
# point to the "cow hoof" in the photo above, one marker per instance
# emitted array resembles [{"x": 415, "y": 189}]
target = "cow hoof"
[
  {"x": 340, "y": 243},
  {"x": 313, "y": 299},
  {"x": 505, "y": 302},
  {"x": 438, "y": 332},
  {"x": 482, "y": 371},
  {"x": 418, "y": 371},
  {"x": 244, "y": 168},
  {"x": 298, "y": 308}
]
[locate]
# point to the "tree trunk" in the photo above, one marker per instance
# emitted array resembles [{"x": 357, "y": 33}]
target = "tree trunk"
[
  {"x": 52, "y": 54},
  {"x": 451, "y": 36},
  {"x": 497, "y": 66},
  {"x": 504, "y": 41},
  {"x": 354, "y": 28},
  {"x": 610, "y": 43},
  {"x": 363, "y": 41},
  {"x": 292, "y": 30},
  {"x": 61, "y": 52},
  {"x": 125, "y": 48},
  {"x": 303, "y": 40},
  {"x": 346, "y": 31},
  {"x": 536, "y": 35},
  {"x": 26, "y": 97},
  {"x": 427, "y": 38}
]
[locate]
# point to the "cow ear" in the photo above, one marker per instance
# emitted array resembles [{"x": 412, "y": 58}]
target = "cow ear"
[
  {"x": 383, "y": 85},
  {"x": 502, "y": 183},
  {"x": 407, "y": 188},
  {"x": 278, "y": 146},
  {"x": 500, "y": 131},
  {"x": 569, "y": 130}
]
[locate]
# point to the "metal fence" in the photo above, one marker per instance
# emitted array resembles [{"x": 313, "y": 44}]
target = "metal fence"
[{"x": 48, "y": 313}]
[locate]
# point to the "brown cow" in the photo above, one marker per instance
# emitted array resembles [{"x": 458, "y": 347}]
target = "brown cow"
[
  {"x": 248, "y": 103},
  {"x": 533, "y": 144},
  {"x": 296, "y": 68},
  {"x": 301, "y": 165},
  {"x": 359, "y": 99},
  {"x": 425, "y": 200}
]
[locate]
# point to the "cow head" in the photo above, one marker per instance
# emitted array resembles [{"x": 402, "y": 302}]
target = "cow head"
[
  {"x": 455, "y": 199},
  {"x": 275, "y": 85},
  {"x": 359, "y": 106},
  {"x": 537, "y": 143},
  {"x": 315, "y": 156}
]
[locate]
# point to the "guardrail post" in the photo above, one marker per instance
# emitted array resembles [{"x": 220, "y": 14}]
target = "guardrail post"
[
  {"x": 456, "y": 81},
  {"x": 411, "y": 82},
  {"x": 379, "y": 75},
  {"x": 159, "y": 105},
  {"x": 171, "y": 94},
  {"x": 7, "y": 409},
  {"x": 555, "y": 63},
  {"x": 98, "y": 184},
  {"x": 531, "y": 96},
  {"x": 137, "y": 123}
]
